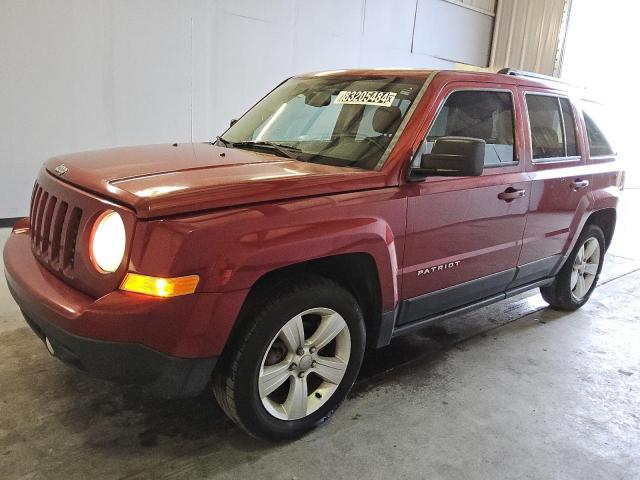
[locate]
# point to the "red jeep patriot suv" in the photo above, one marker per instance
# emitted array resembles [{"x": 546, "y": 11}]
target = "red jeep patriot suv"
[{"x": 345, "y": 208}]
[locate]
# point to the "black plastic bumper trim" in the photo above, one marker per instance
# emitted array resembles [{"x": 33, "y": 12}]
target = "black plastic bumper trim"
[{"x": 166, "y": 376}]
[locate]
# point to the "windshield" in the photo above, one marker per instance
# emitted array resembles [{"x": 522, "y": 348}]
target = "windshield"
[{"x": 334, "y": 121}]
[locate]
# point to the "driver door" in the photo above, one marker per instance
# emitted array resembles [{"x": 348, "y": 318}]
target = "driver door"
[{"x": 464, "y": 234}]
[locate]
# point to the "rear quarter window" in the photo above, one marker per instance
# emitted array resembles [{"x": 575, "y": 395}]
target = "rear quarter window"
[{"x": 597, "y": 123}]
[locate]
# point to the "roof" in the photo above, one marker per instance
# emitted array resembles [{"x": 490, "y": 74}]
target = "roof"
[
  {"x": 507, "y": 76},
  {"x": 371, "y": 72}
]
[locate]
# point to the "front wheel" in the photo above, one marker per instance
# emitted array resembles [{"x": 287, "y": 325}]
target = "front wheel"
[
  {"x": 577, "y": 279},
  {"x": 295, "y": 361}
]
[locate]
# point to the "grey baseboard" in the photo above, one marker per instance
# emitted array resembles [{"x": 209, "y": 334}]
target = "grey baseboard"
[{"x": 8, "y": 222}]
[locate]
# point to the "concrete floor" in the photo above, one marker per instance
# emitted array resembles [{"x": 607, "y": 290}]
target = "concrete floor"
[{"x": 514, "y": 390}]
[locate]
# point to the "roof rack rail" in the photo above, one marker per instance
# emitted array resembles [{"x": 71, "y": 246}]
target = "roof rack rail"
[{"x": 524, "y": 73}]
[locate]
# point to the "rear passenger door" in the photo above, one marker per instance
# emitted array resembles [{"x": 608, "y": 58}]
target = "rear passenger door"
[
  {"x": 463, "y": 233},
  {"x": 560, "y": 183}
]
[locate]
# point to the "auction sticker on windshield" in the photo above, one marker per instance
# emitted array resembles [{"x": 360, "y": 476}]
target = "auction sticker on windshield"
[{"x": 365, "y": 97}]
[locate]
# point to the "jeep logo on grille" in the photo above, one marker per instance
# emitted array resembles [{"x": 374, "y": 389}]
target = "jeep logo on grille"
[{"x": 61, "y": 169}]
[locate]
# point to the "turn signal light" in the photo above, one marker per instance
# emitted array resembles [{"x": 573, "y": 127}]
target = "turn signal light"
[{"x": 159, "y": 287}]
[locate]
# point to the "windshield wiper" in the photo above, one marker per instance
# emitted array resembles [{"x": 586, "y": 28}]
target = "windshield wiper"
[
  {"x": 226, "y": 143},
  {"x": 285, "y": 150}
]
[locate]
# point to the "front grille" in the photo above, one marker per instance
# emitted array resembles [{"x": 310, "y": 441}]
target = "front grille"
[
  {"x": 62, "y": 218},
  {"x": 54, "y": 230}
]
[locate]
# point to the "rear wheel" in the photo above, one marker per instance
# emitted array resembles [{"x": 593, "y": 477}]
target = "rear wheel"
[
  {"x": 296, "y": 360},
  {"x": 577, "y": 279}
]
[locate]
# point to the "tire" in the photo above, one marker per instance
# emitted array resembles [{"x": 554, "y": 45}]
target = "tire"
[
  {"x": 578, "y": 277},
  {"x": 267, "y": 349}
]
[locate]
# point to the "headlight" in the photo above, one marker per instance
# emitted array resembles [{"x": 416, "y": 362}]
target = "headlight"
[{"x": 108, "y": 241}]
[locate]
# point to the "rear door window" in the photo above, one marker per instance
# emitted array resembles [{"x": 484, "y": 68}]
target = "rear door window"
[
  {"x": 552, "y": 127},
  {"x": 569, "y": 127},
  {"x": 478, "y": 114}
]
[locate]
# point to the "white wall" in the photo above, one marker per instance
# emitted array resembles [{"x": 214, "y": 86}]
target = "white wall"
[
  {"x": 84, "y": 74},
  {"x": 529, "y": 34},
  {"x": 606, "y": 65}
]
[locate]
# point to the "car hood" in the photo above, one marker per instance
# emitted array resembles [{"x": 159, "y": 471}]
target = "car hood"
[{"x": 160, "y": 180}]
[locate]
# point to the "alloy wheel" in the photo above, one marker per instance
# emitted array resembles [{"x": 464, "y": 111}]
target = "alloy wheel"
[
  {"x": 585, "y": 268},
  {"x": 304, "y": 364}
]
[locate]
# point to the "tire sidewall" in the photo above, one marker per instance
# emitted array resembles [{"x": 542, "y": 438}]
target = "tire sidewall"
[{"x": 267, "y": 325}]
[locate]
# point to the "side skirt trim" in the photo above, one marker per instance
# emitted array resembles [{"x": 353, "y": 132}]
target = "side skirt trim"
[
  {"x": 418, "y": 324},
  {"x": 433, "y": 303},
  {"x": 532, "y": 271}
]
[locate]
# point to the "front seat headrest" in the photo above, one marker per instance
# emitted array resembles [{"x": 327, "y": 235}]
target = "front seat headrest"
[{"x": 386, "y": 119}]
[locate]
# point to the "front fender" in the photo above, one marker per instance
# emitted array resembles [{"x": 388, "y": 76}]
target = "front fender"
[
  {"x": 232, "y": 249},
  {"x": 270, "y": 249}
]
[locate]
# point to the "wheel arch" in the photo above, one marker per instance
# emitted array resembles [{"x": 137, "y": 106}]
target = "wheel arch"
[
  {"x": 356, "y": 272},
  {"x": 606, "y": 220}
]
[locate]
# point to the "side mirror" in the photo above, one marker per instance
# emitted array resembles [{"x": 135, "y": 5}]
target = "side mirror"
[
  {"x": 232, "y": 122},
  {"x": 453, "y": 157}
]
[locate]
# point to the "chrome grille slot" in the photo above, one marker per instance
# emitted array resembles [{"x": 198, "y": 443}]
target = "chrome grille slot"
[
  {"x": 56, "y": 232},
  {"x": 33, "y": 196},
  {"x": 34, "y": 215},
  {"x": 68, "y": 255},
  {"x": 46, "y": 225},
  {"x": 39, "y": 217}
]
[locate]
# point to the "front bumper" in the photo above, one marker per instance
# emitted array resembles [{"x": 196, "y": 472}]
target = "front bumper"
[
  {"x": 168, "y": 344},
  {"x": 168, "y": 377}
]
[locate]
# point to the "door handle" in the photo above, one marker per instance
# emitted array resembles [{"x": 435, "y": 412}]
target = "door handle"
[
  {"x": 579, "y": 184},
  {"x": 511, "y": 194}
]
